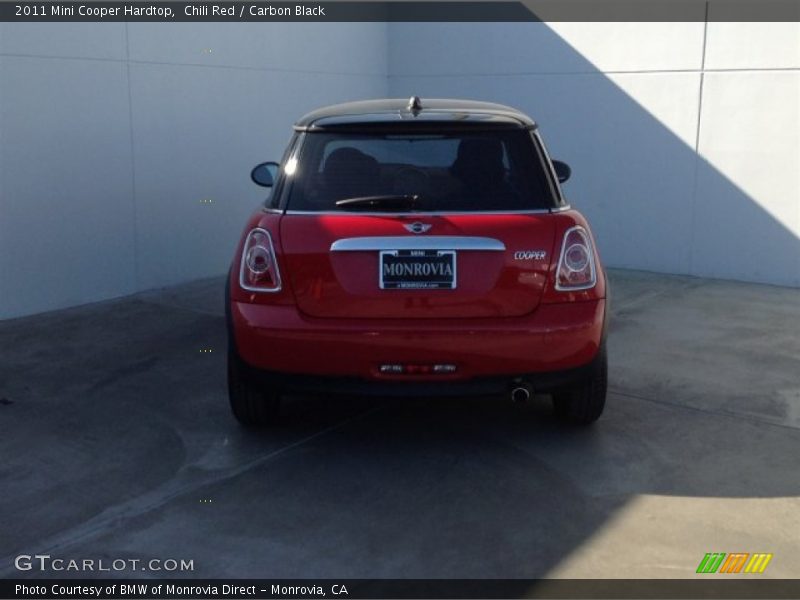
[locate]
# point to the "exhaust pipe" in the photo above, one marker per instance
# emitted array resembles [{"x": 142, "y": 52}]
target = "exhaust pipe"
[{"x": 520, "y": 393}]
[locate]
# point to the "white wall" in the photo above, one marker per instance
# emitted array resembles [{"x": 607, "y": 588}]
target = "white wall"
[
  {"x": 111, "y": 135},
  {"x": 684, "y": 137}
]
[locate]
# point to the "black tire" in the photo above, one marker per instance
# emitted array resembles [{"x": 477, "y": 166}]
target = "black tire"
[
  {"x": 583, "y": 403},
  {"x": 253, "y": 402}
]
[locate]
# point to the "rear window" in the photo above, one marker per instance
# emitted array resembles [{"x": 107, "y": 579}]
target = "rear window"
[{"x": 460, "y": 171}]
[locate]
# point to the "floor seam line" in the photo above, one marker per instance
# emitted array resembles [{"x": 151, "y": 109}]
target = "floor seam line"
[{"x": 114, "y": 521}]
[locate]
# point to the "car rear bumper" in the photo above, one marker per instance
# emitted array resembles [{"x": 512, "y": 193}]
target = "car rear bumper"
[
  {"x": 482, "y": 386},
  {"x": 551, "y": 346}
]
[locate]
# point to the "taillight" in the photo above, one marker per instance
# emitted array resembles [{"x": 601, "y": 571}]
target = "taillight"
[
  {"x": 259, "y": 269},
  {"x": 576, "y": 269}
]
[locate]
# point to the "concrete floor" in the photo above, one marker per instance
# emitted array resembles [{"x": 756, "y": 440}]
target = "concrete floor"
[{"x": 116, "y": 442}]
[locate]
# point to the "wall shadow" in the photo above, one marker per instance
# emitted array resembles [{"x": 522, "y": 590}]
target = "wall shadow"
[{"x": 654, "y": 203}]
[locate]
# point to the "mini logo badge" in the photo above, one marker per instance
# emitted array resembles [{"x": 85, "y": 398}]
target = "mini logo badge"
[{"x": 418, "y": 227}]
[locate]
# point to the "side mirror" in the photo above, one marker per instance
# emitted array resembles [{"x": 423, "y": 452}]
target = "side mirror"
[
  {"x": 563, "y": 170},
  {"x": 265, "y": 174}
]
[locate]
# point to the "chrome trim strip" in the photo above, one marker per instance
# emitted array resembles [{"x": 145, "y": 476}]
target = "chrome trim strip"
[
  {"x": 422, "y": 215},
  {"x": 431, "y": 242}
]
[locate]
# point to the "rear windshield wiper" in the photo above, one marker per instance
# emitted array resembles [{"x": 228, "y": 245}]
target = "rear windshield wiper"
[{"x": 386, "y": 202}]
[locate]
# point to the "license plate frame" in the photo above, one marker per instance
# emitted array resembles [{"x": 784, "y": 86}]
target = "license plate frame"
[{"x": 434, "y": 281}]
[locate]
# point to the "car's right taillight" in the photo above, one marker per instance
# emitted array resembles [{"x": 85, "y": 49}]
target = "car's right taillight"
[
  {"x": 576, "y": 266},
  {"x": 258, "y": 271}
]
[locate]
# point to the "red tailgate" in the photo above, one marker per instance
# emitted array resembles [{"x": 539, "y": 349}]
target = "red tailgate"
[{"x": 334, "y": 264}]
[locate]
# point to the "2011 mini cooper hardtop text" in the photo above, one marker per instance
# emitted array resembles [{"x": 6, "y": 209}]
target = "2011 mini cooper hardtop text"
[{"x": 416, "y": 248}]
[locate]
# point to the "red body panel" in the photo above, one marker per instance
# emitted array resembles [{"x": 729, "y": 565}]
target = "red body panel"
[
  {"x": 330, "y": 318},
  {"x": 555, "y": 337},
  {"x": 345, "y": 284}
]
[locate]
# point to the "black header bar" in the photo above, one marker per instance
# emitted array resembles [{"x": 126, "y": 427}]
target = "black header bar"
[{"x": 401, "y": 11}]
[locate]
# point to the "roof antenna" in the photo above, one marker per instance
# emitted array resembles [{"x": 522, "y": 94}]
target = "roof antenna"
[{"x": 414, "y": 105}]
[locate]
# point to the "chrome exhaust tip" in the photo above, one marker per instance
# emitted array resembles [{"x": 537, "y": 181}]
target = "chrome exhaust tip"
[{"x": 520, "y": 393}]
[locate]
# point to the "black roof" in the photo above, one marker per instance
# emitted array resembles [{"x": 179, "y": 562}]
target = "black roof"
[{"x": 374, "y": 112}]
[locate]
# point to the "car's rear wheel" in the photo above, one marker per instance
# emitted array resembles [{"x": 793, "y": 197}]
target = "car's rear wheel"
[
  {"x": 254, "y": 403},
  {"x": 583, "y": 402}
]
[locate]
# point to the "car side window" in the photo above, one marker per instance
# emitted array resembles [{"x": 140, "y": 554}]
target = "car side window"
[{"x": 275, "y": 192}]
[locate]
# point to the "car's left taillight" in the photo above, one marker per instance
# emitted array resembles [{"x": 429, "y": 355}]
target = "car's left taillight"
[
  {"x": 259, "y": 271},
  {"x": 576, "y": 265}
]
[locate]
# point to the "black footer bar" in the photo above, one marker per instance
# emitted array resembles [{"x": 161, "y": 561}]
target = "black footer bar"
[{"x": 715, "y": 586}]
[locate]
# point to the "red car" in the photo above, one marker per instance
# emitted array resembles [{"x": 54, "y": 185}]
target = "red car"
[{"x": 418, "y": 247}]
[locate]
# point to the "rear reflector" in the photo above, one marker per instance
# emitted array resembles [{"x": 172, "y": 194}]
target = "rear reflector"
[{"x": 407, "y": 369}]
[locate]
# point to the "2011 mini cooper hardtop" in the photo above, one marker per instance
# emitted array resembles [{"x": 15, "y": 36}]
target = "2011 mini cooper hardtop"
[{"x": 416, "y": 248}]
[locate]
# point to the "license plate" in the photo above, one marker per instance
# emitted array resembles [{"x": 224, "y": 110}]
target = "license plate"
[{"x": 417, "y": 270}]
